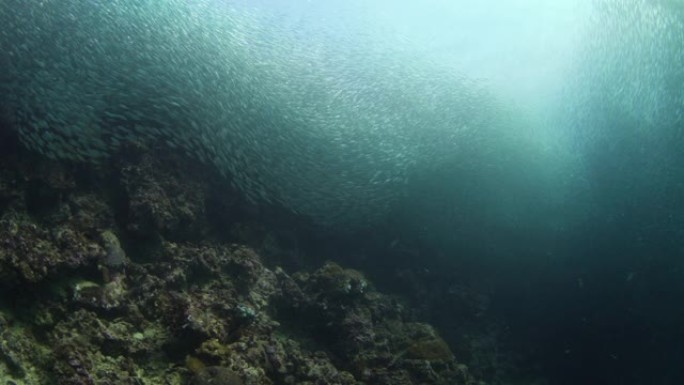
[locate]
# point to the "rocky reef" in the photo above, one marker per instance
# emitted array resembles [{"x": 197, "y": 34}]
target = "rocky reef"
[{"x": 137, "y": 272}]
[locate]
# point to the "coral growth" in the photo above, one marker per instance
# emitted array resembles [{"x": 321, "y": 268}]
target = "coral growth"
[{"x": 126, "y": 280}]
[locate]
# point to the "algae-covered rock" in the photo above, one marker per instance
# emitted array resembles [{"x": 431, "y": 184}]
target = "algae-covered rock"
[
  {"x": 90, "y": 349},
  {"x": 22, "y": 357},
  {"x": 115, "y": 256},
  {"x": 159, "y": 203},
  {"x": 368, "y": 332},
  {"x": 32, "y": 252},
  {"x": 105, "y": 306},
  {"x": 434, "y": 349},
  {"x": 215, "y": 375},
  {"x": 334, "y": 282}
]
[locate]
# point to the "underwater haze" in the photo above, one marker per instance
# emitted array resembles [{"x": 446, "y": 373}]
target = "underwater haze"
[
  {"x": 536, "y": 145},
  {"x": 347, "y": 94}
]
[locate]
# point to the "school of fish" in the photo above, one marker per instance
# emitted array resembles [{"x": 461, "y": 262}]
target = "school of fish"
[{"x": 329, "y": 127}]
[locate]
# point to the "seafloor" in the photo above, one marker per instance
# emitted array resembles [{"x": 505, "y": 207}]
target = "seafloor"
[{"x": 149, "y": 269}]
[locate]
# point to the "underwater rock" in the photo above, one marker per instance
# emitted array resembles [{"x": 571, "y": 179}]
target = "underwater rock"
[
  {"x": 115, "y": 256},
  {"x": 109, "y": 296},
  {"x": 51, "y": 227},
  {"x": 113, "y": 265},
  {"x": 215, "y": 375},
  {"x": 336, "y": 284},
  {"x": 369, "y": 331},
  {"x": 242, "y": 321},
  {"x": 21, "y": 355},
  {"x": 31, "y": 252},
  {"x": 91, "y": 350},
  {"x": 160, "y": 201}
]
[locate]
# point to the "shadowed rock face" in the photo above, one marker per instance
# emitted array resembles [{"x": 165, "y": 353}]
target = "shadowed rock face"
[
  {"x": 86, "y": 297},
  {"x": 216, "y": 375}
]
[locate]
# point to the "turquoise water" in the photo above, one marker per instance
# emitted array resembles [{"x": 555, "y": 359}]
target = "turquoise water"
[{"x": 542, "y": 138}]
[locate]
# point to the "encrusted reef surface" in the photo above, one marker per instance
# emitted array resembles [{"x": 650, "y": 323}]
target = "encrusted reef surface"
[{"x": 139, "y": 271}]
